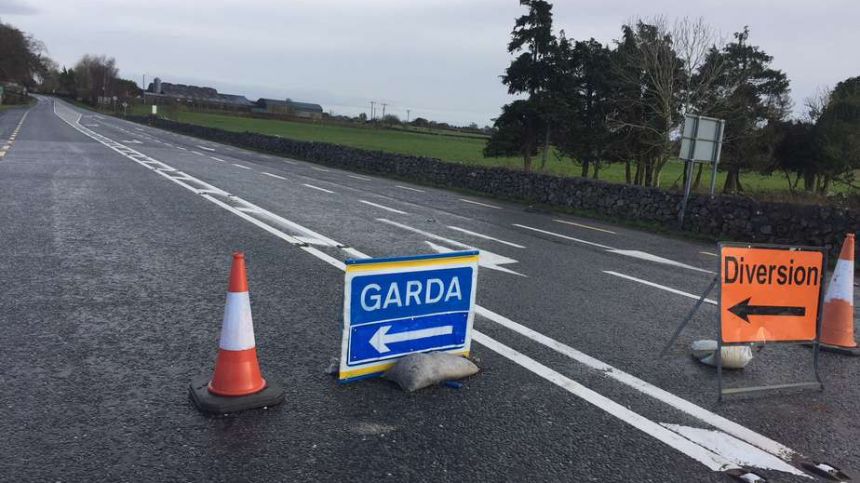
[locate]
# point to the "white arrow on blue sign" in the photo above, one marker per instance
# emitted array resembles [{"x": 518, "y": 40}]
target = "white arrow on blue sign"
[{"x": 398, "y": 306}]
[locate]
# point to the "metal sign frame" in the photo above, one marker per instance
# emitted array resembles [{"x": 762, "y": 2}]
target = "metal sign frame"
[
  {"x": 689, "y": 157},
  {"x": 815, "y": 343},
  {"x": 356, "y": 365}
]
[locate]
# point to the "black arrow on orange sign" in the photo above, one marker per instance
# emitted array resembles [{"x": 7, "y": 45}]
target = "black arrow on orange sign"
[{"x": 744, "y": 310}]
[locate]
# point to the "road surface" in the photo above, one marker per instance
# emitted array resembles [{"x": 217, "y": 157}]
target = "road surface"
[{"x": 117, "y": 248}]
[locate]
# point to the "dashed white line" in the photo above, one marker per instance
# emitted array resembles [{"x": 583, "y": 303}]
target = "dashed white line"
[
  {"x": 585, "y": 226},
  {"x": 480, "y": 204},
  {"x": 564, "y": 237},
  {"x": 240, "y": 166},
  {"x": 485, "y": 237},
  {"x": 661, "y": 287},
  {"x": 180, "y": 147},
  {"x": 383, "y": 207},
  {"x": 355, "y": 176},
  {"x": 197, "y": 153},
  {"x": 273, "y": 175},
  {"x": 709, "y": 254},
  {"x": 217, "y": 159},
  {"x": 410, "y": 189},
  {"x": 318, "y": 188},
  {"x": 321, "y": 169},
  {"x": 205, "y": 148}
]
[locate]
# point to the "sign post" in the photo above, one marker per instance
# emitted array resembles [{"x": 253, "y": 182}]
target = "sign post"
[
  {"x": 701, "y": 141},
  {"x": 393, "y": 307},
  {"x": 769, "y": 294}
]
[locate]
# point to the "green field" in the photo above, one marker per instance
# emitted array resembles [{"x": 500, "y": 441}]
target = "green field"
[{"x": 460, "y": 149}]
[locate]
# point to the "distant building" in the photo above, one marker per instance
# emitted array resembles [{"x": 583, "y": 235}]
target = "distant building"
[
  {"x": 160, "y": 92},
  {"x": 289, "y": 107}
]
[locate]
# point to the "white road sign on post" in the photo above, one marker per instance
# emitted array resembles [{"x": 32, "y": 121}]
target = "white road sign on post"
[{"x": 702, "y": 142}]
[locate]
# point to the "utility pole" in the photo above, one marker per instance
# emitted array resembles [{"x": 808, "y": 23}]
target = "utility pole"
[
  {"x": 371, "y": 109},
  {"x": 143, "y": 83},
  {"x": 383, "y": 110},
  {"x": 407, "y": 116}
]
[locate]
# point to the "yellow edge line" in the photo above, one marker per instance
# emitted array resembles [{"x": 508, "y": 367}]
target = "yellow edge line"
[{"x": 364, "y": 267}]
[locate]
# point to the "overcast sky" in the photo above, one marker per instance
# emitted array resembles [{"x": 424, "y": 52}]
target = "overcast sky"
[{"x": 441, "y": 59}]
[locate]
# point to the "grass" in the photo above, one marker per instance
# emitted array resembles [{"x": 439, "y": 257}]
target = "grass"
[{"x": 454, "y": 148}]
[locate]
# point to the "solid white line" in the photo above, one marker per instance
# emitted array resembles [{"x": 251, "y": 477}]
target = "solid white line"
[
  {"x": 585, "y": 226},
  {"x": 410, "y": 189},
  {"x": 197, "y": 153},
  {"x": 317, "y": 188},
  {"x": 661, "y": 287},
  {"x": 205, "y": 148},
  {"x": 359, "y": 177},
  {"x": 240, "y": 166},
  {"x": 383, "y": 207},
  {"x": 709, "y": 254},
  {"x": 480, "y": 204},
  {"x": 485, "y": 237},
  {"x": 273, "y": 175},
  {"x": 320, "y": 169},
  {"x": 713, "y": 461},
  {"x": 565, "y": 237},
  {"x": 217, "y": 159}
]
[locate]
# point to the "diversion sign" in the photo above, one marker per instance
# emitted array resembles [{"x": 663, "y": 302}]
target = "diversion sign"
[
  {"x": 769, "y": 294},
  {"x": 394, "y": 307}
]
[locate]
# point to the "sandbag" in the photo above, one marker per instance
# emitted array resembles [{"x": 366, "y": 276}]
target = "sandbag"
[
  {"x": 733, "y": 356},
  {"x": 418, "y": 371}
]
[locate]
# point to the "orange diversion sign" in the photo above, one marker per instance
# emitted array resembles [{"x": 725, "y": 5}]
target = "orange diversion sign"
[{"x": 769, "y": 294}]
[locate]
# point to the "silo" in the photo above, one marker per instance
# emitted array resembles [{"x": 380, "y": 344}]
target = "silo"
[{"x": 156, "y": 88}]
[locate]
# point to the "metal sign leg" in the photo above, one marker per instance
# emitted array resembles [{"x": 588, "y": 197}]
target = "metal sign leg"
[{"x": 689, "y": 316}]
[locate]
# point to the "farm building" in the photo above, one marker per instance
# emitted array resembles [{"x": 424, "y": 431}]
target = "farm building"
[
  {"x": 289, "y": 107},
  {"x": 160, "y": 92}
]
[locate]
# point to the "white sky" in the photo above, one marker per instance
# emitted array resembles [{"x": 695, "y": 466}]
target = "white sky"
[{"x": 440, "y": 58}]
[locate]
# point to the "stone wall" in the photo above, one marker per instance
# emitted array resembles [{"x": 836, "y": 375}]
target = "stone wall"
[{"x": 732, "y": 218}]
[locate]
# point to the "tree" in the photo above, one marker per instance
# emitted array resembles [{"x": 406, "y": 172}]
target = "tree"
[
  {"x": 517, "y": 132},
  {"x": 22, "y": 57},
  {"x": 585, "y": 92},
  {"x": 530, "y": 73},
  {"x": 795, "y": 153},
  {"x": 837, "y": 134},
  {"x": 749, "y": 95},
  {"x": 95, "y": 76}
]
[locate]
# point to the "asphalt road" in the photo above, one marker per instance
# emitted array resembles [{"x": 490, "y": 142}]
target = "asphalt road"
[{"x": 117, "y": 247}]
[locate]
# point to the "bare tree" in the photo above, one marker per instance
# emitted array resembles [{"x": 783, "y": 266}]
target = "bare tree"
[{"x": 816, "y": 104}]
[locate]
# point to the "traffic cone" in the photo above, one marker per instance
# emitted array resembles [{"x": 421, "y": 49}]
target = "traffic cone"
[
  {"x": 237, "y": 383},
  {"x": 837, "y": 317}
]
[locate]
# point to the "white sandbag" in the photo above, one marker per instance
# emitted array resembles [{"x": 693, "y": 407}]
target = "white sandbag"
[
  {"x": 733, "y": 357},
  {"x": 418, "y": 371}
]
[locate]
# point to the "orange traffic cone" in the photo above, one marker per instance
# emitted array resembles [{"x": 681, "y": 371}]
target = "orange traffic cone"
[
  {"x": 237, "y": 383},
  {"x": 837, "y": 318}
]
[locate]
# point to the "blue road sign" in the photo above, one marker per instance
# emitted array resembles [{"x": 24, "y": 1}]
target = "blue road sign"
[{"x": 394, "y": 307}]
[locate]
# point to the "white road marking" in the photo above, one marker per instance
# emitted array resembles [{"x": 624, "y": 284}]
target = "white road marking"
[
  {"x": 168, "y": 144},
  {"x": 410, "y": 189},
  {"x": 273, "y": 175},
  {"x": 321, "y": 169},
  {"x": 383, "y": 207},
  {"x": 318, "y": 188},
  {"x": 205, "y": 148},
  {"x": 564, "y": 237},
  {"x": 480, "y": 204},
  {"x": 713, "y": 461},
  {"x": 180, "y": 147},
  {"x": 485, "y": 237},
  {"x": 585, "y": 226},
  {"x": 240, "y": 166},
  {"x": 661, "y": 287},
  {"x": 488, "y": 259},
  {"x": 355, "y": 176},
  {"x": 609, "y": 371},
  {"x": 197, "y": 153},
  {"x": 654, "y": 258},
  {"x": 217, "y": 159},
  {"x": 709, "y": 254}
]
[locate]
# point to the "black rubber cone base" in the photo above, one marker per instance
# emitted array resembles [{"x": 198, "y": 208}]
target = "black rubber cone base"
[
  {"x": 845, "y": 351},
  {"x": 207, "y": 402}
]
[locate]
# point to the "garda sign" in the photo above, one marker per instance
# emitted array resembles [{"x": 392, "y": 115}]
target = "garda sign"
[
  {"x": 393, "y": 307},
  {"x": 769, "y": 293}
]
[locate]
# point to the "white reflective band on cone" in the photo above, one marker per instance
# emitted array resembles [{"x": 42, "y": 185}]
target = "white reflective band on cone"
[
  {"x": 237, "y": 331},
  {"x": 842, "y": 284}
]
